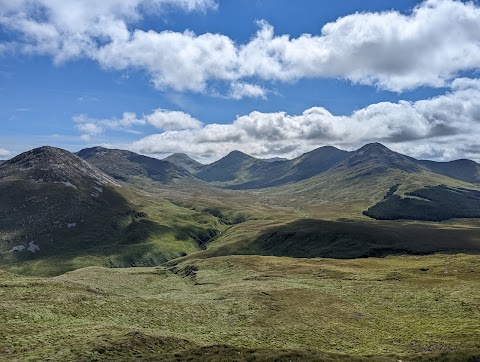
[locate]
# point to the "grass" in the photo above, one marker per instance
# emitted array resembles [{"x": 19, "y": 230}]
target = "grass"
[{"x": 249, "y": 308}]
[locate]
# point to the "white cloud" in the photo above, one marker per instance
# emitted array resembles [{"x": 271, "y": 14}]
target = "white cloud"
[
  {"x": 450, "y": 122},
  {"x": 427, "y": 47},
  {"x": 160, "y": 118},
  {"x": 172, "y": 120},
  {"x": 68, "y": 29},
  {"x": 90, "y": 128},
  {"x": 239, "y": 90},
  {"x": 4, "y": 153}
]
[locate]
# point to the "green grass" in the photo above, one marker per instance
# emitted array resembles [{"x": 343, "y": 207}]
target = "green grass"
[{"x": 249, "y": 308}]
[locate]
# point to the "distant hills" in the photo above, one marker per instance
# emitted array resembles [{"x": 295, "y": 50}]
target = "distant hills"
[{"x": 240, "y": 171}]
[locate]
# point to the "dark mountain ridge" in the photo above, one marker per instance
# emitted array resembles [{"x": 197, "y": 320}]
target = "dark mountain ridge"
[{"x": 125, "y": 165}]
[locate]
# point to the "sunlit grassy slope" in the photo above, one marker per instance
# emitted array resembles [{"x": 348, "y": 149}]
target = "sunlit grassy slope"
[{"x": 247, "y": 308}]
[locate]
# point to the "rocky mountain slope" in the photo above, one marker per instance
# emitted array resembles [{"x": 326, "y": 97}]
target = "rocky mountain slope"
[{"x": 49, "y": 191}]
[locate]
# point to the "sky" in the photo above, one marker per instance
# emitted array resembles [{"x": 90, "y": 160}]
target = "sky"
[{"x": 272, "y": 78}]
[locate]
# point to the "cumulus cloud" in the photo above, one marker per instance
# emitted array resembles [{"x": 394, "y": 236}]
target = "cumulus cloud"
[
  {"x": 429, "y": 46},
  {"x": 4, "y": 153},
  {"x": 172, "y": 120},
  {"x": 450, "y": 123},
  {"x": 73, "y": 28},
  {"x": 241, "y": 90},
  {"x": 160, "y": 118}
]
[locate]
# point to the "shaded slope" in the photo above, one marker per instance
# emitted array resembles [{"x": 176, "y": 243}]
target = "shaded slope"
[
  {"x": 184, "y": 161},
  {"x": 125, "y": 165},
  {"x": 433, "y": 203},
  {"x": 309, "y": 238},
  {"x": 466, "y": 170}
]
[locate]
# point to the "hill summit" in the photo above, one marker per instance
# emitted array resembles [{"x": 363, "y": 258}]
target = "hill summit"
[{"x": 183, "y": 160}]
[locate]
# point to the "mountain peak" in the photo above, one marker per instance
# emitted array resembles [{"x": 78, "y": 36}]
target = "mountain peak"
[
  {"x": 179, "y": 156},
  {"x": 184, "y": 161},
  {"x": 236, "y": 153},
  {"x": 51, "y": 164},
  {"x": 375, "y": 157},
  {"x": 237, "y": 156},
  {"x": 374, "y": 147}
]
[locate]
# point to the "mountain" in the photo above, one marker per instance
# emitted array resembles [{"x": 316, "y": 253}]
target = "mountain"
[
  {"x": 49, "y": 196},
  {"x": 126, "y": 165},
  {"x": 234, "y": 167},
  {"x": 184, "y": 161},
  {"x": 465, "y": 170},
  {"x": 312, "y": 163},
  {"x": 376, "y": 158},
  {"x": 240, "y": 171}
]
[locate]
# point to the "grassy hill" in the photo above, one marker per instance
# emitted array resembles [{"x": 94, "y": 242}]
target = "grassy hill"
[
  {"x": 310, "y": 238},
  {"x": 249, "y": 308}
]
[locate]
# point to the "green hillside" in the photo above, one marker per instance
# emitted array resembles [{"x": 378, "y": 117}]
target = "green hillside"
[{"x": 249, "y": 308}]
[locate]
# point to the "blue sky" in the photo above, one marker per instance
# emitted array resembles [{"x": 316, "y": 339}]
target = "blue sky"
[{"x": 269, "y": 77}]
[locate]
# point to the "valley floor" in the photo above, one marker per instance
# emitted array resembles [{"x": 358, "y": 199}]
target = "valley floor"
[{"x": 247, "y": 308}]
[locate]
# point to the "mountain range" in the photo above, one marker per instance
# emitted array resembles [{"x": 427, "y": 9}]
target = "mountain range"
[
  {"x": 238, "y": 170},
  {"x": 119, "y": 208}
]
